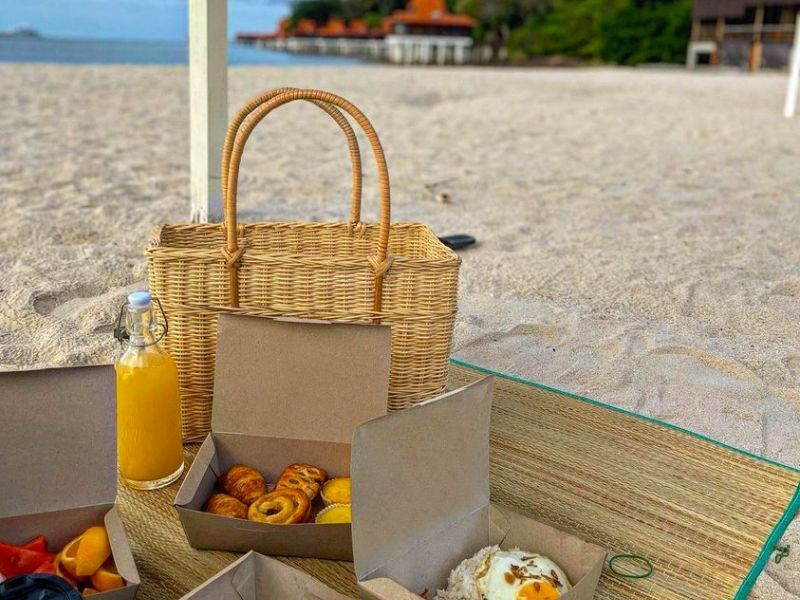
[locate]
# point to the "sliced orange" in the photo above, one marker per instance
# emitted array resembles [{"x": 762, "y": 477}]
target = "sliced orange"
[
  {"x": 93, "y": 550},
  {"x": 67, "y": 560},
  {"x": 89, "y": 591},
  {"x": 107, "y": 577},
  {"x": 62, "y": 572}
]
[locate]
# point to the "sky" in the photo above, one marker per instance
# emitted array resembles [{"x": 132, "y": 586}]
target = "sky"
[{"x": 130, "y": 19}]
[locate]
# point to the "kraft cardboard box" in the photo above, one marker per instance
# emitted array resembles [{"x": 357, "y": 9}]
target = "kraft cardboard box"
[
  {"x": 58, "y": 471},
  {"x": 257, "y": 577},
  {"x": 285, "y": 391},
  {"x": 421, "y": 502}
]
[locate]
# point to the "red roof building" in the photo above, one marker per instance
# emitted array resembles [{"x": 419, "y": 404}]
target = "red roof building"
[
  {"x": 422, "y": 15},
  {"x": 429, "y": 17},
  {"x": 335, "y": 28},
  {"x": 425, "y": 32}
]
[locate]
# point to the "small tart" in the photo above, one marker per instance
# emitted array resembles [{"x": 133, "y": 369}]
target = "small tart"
[
  {"x": 335, "y": 513},
  {"x": 336, "y": 491}
]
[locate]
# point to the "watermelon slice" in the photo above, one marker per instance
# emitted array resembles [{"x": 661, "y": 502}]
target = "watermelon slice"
[
  {"x": 39, "y": 544},
  {"x": 17, "y": 560}
]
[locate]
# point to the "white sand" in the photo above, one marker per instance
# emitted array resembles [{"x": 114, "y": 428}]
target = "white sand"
[{"x": 640, "y": 231}]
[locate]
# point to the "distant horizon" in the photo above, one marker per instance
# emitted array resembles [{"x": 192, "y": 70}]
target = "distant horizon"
[
  {"x": 77, "y": 38},
  {"x": 130, "y": 20}
]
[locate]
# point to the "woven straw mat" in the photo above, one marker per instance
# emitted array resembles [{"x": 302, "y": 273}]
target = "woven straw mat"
[{"x": 701, "y": 512}]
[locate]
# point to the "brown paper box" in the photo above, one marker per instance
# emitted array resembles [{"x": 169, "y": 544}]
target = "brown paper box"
[
  {"x": 58, "y": 461},
  {"x": 285, "y": 391},
  {"x": 421, "y": 502},
  {"x": 256, "y": 577}
]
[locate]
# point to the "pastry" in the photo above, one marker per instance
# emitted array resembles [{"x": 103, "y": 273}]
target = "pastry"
[
  {"x": 223, "y": 504},
  {"x": 282, "y": 506},
  {"x": 243, "y": 483},
  {"x": 495, "y": 574},
  {"x": 335, "y": 513},
  {"x": 291, "y": 478},
  {"x": 309, "y": 472},
  {"x": 336, "y": 491}
]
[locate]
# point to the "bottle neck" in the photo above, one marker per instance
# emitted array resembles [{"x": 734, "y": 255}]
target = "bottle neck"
[{"x": 142, "y": 328}]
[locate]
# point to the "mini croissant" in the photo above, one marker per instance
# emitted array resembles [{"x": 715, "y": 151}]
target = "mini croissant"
[
  {"x": 243, "y": 483},
  {"x": 222, "y": 504}
]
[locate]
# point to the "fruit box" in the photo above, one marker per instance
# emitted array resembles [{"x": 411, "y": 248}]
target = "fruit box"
[
  {"x": 58, "y": 471},
  {"x": 285, "y": 391},
  {"x": 257, "y": 577},
  {"x": 421, "y": 502}
]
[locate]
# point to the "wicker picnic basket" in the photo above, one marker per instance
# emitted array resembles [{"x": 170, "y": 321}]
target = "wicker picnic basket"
[{"x": 397, "y": 273}]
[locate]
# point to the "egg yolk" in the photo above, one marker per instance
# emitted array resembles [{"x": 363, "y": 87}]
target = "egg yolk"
[{"x": 538, "y": 590}]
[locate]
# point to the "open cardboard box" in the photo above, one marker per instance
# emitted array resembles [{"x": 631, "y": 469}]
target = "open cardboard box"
[
  {"x": 58, "y": 461},
  {"x": 284, "y": 391},
  {"x": 421, "y": 502},
  {"x": 257, "y": 577}
]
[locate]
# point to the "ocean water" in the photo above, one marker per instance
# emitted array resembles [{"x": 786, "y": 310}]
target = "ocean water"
[{"x": 55, "y": 50}]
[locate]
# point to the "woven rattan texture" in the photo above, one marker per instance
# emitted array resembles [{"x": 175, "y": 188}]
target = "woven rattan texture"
[
  {"x": 701, "y": 512},
  {"x": 397, "y": 273}
]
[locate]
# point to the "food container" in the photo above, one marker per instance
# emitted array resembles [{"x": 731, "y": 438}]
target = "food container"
[
  {"x": 421, "y": 502},
  {"x": 257, "y": 577},
  {"x": 285, "y": 391},
  {"x": 58, "y": 471}
]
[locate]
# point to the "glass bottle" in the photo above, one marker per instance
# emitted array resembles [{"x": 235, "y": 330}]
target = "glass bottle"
[{"x": 149, "y": 439}]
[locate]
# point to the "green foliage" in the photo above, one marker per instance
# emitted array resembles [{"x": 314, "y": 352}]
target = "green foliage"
[
  {"x": 322, "y": 10},
  {"x": 318, "y": 10},
  {"x": 620, "y": 31},
  {"x": 495, "y": 13},
  {"x": 570, "y": 27},
  {"x": 373, "y": 20},
  {"x": 646, "y": 31}
]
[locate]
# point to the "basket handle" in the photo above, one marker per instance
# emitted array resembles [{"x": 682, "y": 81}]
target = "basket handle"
[
  {"x": 341, "y": 120},
  {"x": 232, "y": 252}
]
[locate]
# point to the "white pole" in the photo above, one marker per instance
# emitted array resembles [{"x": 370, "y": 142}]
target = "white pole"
[
  {"x": 208, "y": 101},
  {"x": 790, "y": 108}
]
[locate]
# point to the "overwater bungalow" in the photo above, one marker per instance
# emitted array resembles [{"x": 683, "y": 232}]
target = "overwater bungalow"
[{"x": 424, "y": 33}]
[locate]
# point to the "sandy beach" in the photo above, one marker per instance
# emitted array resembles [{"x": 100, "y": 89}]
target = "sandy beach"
[{"x": 638, "y": 230}]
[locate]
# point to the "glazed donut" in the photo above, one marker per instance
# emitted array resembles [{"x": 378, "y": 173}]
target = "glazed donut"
[
  {"x": 294, "y": 479},
  {"x": 309, "y": 472},
  {"x": 281, "y": 507},
  {"x": 243, "y": 483},
  {"x": 223, "y": 504}
]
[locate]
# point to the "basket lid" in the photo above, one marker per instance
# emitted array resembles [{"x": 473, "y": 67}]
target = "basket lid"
[
  {"x": 58, "y": 438},
  {"x": 295, "y": 379}
]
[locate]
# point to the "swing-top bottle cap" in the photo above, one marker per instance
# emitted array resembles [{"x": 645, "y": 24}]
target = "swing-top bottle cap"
[{"x": 140, "y": 300}]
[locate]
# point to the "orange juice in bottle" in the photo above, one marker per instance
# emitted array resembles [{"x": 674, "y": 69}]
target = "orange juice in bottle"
[{"x": 149, "y": 443}]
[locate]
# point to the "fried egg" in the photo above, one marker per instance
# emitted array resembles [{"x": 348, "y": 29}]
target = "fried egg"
[{"x": 518, "y": 575}]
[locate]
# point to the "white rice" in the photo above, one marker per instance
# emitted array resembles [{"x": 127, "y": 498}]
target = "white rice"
[{"x": 461, "y": 584}]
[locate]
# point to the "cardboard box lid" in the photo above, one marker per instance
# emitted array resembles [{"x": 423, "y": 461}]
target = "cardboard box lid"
[
  {"x": 299, "y": 379},
  {"x": 420, "y": 473},
  {"x": 255, "y": 576},
  {"x": 58, "y": 439}
]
